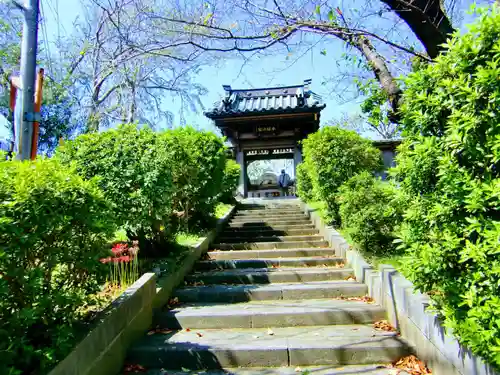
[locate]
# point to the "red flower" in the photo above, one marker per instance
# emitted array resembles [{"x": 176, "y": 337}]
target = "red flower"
[
  {"x": 119, "y": 248},
  {"x": 105, "y": 260}
]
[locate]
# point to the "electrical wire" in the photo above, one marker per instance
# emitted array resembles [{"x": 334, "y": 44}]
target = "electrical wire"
[{"x": 46, "y": 40}]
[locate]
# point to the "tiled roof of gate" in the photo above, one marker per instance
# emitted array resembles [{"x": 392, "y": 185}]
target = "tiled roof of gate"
[{"x": 267, "y": 100}]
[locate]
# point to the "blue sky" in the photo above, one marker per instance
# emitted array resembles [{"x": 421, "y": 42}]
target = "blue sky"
[
  {"x": 258, "y": 72},
  {"x": 264, "y": 71}
]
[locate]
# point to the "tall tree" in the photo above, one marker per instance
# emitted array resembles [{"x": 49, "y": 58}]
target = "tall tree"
[
  {"x": 370, "y": 28},
  {"x": 428, "y": 21},
  {"x": 120, "y": 75}
]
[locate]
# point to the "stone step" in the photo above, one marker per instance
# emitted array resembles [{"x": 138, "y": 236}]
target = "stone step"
[
  {"x": 268, "y": 206},
  {"x": 269, "y": 211},
  {"x": 283, "y": 291},
  {"x": 267, "y": 263},
  {"x": 265, "y": 314},
  {"x": 259, "y": 228},
  {"x": 256, "y": 233},
  {"x": 277, "y": 224},
  {"x": 269, "y": 275},
  {"x": 270, "y": 245},
  {"x": 372, "y": 369},
  {"x": 261, "y": 254},
  {"x": 293, "y": 346},
  {"x": 238, "y": 239},
  {"x": 275, "y": 214},
  {"x": 269, "y": 219}
]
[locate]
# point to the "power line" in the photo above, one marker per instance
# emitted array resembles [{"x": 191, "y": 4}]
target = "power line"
[{"x": 46, "y": 39}]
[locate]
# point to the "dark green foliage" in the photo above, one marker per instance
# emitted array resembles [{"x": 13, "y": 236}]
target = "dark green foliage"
[
  {"x": 304, "y": 183},
  {"x": 370, "y": 212},
  {"x": 332, "y": 156},
  {"x": 134, "y": 170},
  {"x": 53, "y": 227},
  {"x": 450, "y": 167},
  {"x": 230, "y": 181},
  {"x": 198, "y": 161}
]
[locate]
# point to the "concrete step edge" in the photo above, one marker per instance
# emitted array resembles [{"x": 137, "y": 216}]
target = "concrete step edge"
[
  {"x": 264, "y": 314},
  {"x": 288, "y": 238},
  {"x": 270, "y": 245},
  {"x": 215, "y": 349},
  {"x": 306, "y": 262}
]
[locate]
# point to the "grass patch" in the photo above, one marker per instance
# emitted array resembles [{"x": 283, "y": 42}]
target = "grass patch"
[
  {"x": 320, "y": 208},
  {"x": 221, "y": 209},
  {"x": 120, "y": 236},
  {"x": 188, "y": 239},
  {"x": 394, "y": 260}
]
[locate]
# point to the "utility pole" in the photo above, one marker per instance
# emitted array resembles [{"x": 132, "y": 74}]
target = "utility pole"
[{"x": 30, "y": 11}]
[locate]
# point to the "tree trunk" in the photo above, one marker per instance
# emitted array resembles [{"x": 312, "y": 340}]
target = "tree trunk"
[
  {"x": 382, "y": 74},
  {"x": 428, "y": 21},
  {"x": 132, "y": 107}
]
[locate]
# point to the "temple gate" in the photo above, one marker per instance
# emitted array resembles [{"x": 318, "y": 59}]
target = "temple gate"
[{"x": 266, "y": 124}]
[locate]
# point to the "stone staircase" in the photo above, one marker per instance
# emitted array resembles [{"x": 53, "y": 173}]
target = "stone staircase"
[{"x": 270, "y": 298}]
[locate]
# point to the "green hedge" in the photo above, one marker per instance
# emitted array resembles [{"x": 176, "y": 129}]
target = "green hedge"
[
  {"x": 134, "y": 171},
  {"x": 155, "y": 182},
  {"x": 53, "y": 229},
  {"x": 230, "y": 181},
  {"x": 371, "y": 212},
  {"x": 304, "y": 183},
  {"x": 332, "y": 156},
  {"x": 450, "y": 167},
  {"x": 197, "y": 165}
]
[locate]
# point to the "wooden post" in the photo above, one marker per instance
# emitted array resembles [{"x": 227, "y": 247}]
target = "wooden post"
[{"x": 38, "y": 106}]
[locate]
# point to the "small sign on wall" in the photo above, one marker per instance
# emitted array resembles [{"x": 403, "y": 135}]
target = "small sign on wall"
[
  {"x": 261, "y": 130},
  {"x": 274, "y": 151}
]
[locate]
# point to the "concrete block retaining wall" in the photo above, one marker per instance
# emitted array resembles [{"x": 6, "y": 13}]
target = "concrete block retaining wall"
[
  {"x": 406, "y": 310},
  {"x": 129, "y": 317}
]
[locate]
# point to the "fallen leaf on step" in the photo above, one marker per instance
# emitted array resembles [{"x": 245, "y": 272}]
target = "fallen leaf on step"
[
  {"x": 412, "y": 365},
  {"x": 384, "y": 325},
  {"x": 133, "y": 368},
  {"x": 366, "y": 299},
  {"x": 270, "y": 332},
  {"x": 199, "y": 334},
  {"x": 255, "y": 337},
  {"x": 159, "y": 330},
  {"x": 298, "y": 369},
  {"x": 188, "y": 329},
  {"x": 350, "y": 278}
]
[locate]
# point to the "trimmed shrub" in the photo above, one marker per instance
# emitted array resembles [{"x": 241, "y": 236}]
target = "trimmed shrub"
[
  {"x": 134, "y": 171},
  {"x": 451, "y": 230},
  {"x": 371, "y": 213},
  {"x": 304, "y": 183},
  {"x": 53, "y": 229},
  {"x": 332, "y": 156},
  {"x": 198, "y": 160},
  {"x": 230, "y": 181}
]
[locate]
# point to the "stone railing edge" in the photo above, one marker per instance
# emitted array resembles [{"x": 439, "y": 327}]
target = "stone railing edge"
[
  {"x": 406, "y": 309},
  {"x": 103, "y": 350}
]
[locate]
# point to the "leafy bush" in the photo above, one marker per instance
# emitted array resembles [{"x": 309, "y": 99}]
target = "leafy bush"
[
  {"x": 53, "y": 228},
  {"x": 370, "y": 212},
  {"x": 332, "y": 156},
  {"x": 134, "y": 171},
  {"x": 304, "y": 183},
  {"x": 230, "y": 181},
  {"x": 450, "y": 166},
  {"x": 197, "y": 163}
]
